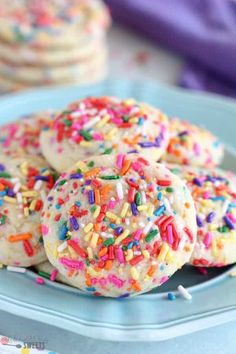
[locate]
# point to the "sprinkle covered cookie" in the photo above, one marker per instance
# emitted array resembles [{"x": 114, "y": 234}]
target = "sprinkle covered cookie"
[
  {"x": 22, "y": 136},
  {"x": 118, "y": 225},
  {"x": 192, "y": 145},
  {"x": 105, "y": 125},
  {"x": 214, "y": 194},
  {"x": 24, "y": 184}
]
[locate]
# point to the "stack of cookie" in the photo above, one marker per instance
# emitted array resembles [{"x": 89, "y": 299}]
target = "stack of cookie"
[
  {"x": 115, "y": 223},
  {"x": 52, "y": 42}
]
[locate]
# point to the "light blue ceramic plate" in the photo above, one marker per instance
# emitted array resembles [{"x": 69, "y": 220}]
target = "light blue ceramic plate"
[{"x": 149, "y": 317}]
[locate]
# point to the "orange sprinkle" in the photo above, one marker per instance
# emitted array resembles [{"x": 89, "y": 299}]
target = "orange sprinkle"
[
  {"x": 19, "y": 237},
  {"x": 151, "y": 271},
  {"x": 102, "y": 252},
  {"x": 137, "y": 286},
  {"x": 97, "y": 196},
  {"x": 92, "y": 173},
  {"x": 187, "y": 205},
  {"x": 125, "y": 168},
  {"x": 108, "y": 265},
  {"x": 97, "y": 227},
  {"x": 2, "y": 187},
  {"x": 105, "y": 190}
]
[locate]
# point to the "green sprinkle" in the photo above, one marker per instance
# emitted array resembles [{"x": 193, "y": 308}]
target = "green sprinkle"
[
  {"x": 124, "y": 248},
  {"x": 110, "y": 177},
  {"x": 87, "y": 262},
  {"x": 78, "y": 170},
  {"x": 68, "y": 122},
  {"x": 90, "y": 164},
  {"x": 44, "y": 274},
  {"x": 169, "y": 190},
  {"x": 93, "y": 208},
  {"x": 137, "y": 198},
  {"x": 3, "y": 219},
  {"x": 151, "y": 235},
  {"x": 63, "y": 181},
  {"x": 107, "y": 151},
  {"x": 109, "y": 242},
  {"x": 5, "y": 175},
  {"x": 223, "y": 229},
  {"x": 125, "y": 118},
  {"x": 86, "y": 135}
]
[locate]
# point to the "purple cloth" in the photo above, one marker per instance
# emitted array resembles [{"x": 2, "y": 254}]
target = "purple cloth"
[{"x": 204, "y": 31}]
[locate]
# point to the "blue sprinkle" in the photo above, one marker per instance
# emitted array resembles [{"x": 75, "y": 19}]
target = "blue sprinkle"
[
  {"x": 218, "y": 198},
  {"x": 141, "y": 121},
  {"x": 159, "y": 211},
  {"x": 130, "y": 245},
  {"x": 199, "y": 221},
  {"x": 134, "y": 209},
  {"x": 210, "y": 217},
  {"x": 1, "y": 202},
  {"x": 58, "y": 206},
  {"x": 2, "y": 193},
  {"x": 171, "y": 296},
  {"x": 159, "y": 196},
  {"x": 91, "y": 289},
  {"x": 91, "y": 197},
  {"x": 229, "y": 222},
  {"x": 63, "y": 232},
  {"x": 78, "y": 204},
  {"x": 112, "y": 226},
  {"x": 2, "y": 167}
]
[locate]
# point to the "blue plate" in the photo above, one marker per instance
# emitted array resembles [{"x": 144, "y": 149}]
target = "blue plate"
[{"x": 149, "y": 317}]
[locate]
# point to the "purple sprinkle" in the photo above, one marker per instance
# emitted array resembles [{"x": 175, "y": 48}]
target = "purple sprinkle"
[
  {"x": 88, "y": 182},
  {"x": 91, "y": 197},
  {"x": 76, "y": 176},
  {"x": 50, "y": 199},
  {"x": 147, "y": 144},
  {"x": 185, "y": 132},
  {"x": 197, "y": 181},
  {"x": 132, "y": 152},
  {"x": 118, "y": 230},
  {"x": 2, "y": 167},
  {"x": 41, "y": 178},
  {"x": 134, "y": 209},
  {"x": 229, "y": 222},
  {"x": 199, "y": 222},
  {"x": 10, "y": 193},
  {"x": 210, "y": 217},
  {"x": 74, "y": 223}
]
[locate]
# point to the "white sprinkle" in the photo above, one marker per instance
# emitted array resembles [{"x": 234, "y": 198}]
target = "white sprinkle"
[
  {"x": 16, "y": 187},
  {"x": 148, "y": 227},
  {"x": 43, "y": 195},
  {"x": 16, "y": 269},
  {"x": 225, "y": 207},
  {"x": 19, "y": 198},
  {"x": 62, "y": 247},
  {"x": 92, "y": 122},
  {"x": 182, "y": 242},
  {"x": 119, "y": 190},
  {"x": 167, "y": 205},
  {"x": 38, "y": 185},
  {"x": 15, "y": 180},
  {"x": 184, "y": 292},
  {"x": 144, "y": 199}
]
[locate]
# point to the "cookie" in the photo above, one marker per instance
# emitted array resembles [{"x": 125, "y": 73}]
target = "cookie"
[
  {"x": 193, "y": 145},
  {"x": 22, "y": 135},
  {"x": 118, "y": 225},
  {"x": 214, "y": 194},
  {"x": 24, "y": 184},
  {"x": 105, "y": 125},
  {"x": 54, "y": 24}
]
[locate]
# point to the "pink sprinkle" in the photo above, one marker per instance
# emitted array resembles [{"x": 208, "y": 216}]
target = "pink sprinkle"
[
  {"x": 120, "y": 255},
  {"x": 112, "y": 204},
  {"x": 163, "y": 279},
  {"x": 53, "y": 275},
  {"x": 119, "y": 160},
  {"x": 136, "y": 166},
  {"x": 40, "y": 281},
  {"x": 207, "y": 239},
  {"x": 202, "y": 270},
  {"x": 98, "y": 137},
  {"x": 206, "y": 195},
  {"x": 78, "y": 265},
  {"x": 104, "y": 258},
  {"x": 44, "y": 229},
  {"x": 232, "y": 217},
  {"x": 170, "y": 234},
  {"x": 94, "y": 281},
  {"x": 196, "y": 149},
  {"x": 137, "y": 234},
  {"x": 102, "y": 282}
]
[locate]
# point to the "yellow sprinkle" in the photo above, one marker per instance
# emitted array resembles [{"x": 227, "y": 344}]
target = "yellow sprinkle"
[
  {"x": 124, "y": 210},
  {"x": 46, "y": 173},
  {"x": 213, "y": 227},
  {"x": 72, "y": 253},
  {"x": 97, "y": 211},
  {"x": 88, "y": 227},
  {"x": 129, "y": 255},
  {"x": 23, "y": 168},
  {"x": 134, "y": 273},
  {"x": 88, "y": 236},
  {"x": 150, "y": 210},
  {"x": 10, "y": 199},
  {"x": 142, "y": 207},
  {"x": 29, "y": 194},
  {"x": 133, "y": 120},
  {"x": 214, "y": 248},
  {"x": 170, "y": 256},
  {"x": 94, "y": 240},
  {"x": 103, "y": 121},
  {"x": 91, "y": 271},
  {"x": 110, "y": 135},
  {"x": 26, "y": 211},
  {"x": 111, "y": 215},
  {"x": 146, "y": 254},
  {"x": 90, "y": 252},
  {"x": 146, "y": 278},
  {"x": 85, "y": 143},
  {"x": 32, "y": 205},
  {"x": 129, "y": 102},
  {"x": 207, "y": 203},
  {"x": 24, "y": 188},
  {"x": 82, "y": 166},
  {"x": 163, "y": 252},
  {"x": 120, "y": 238}
]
